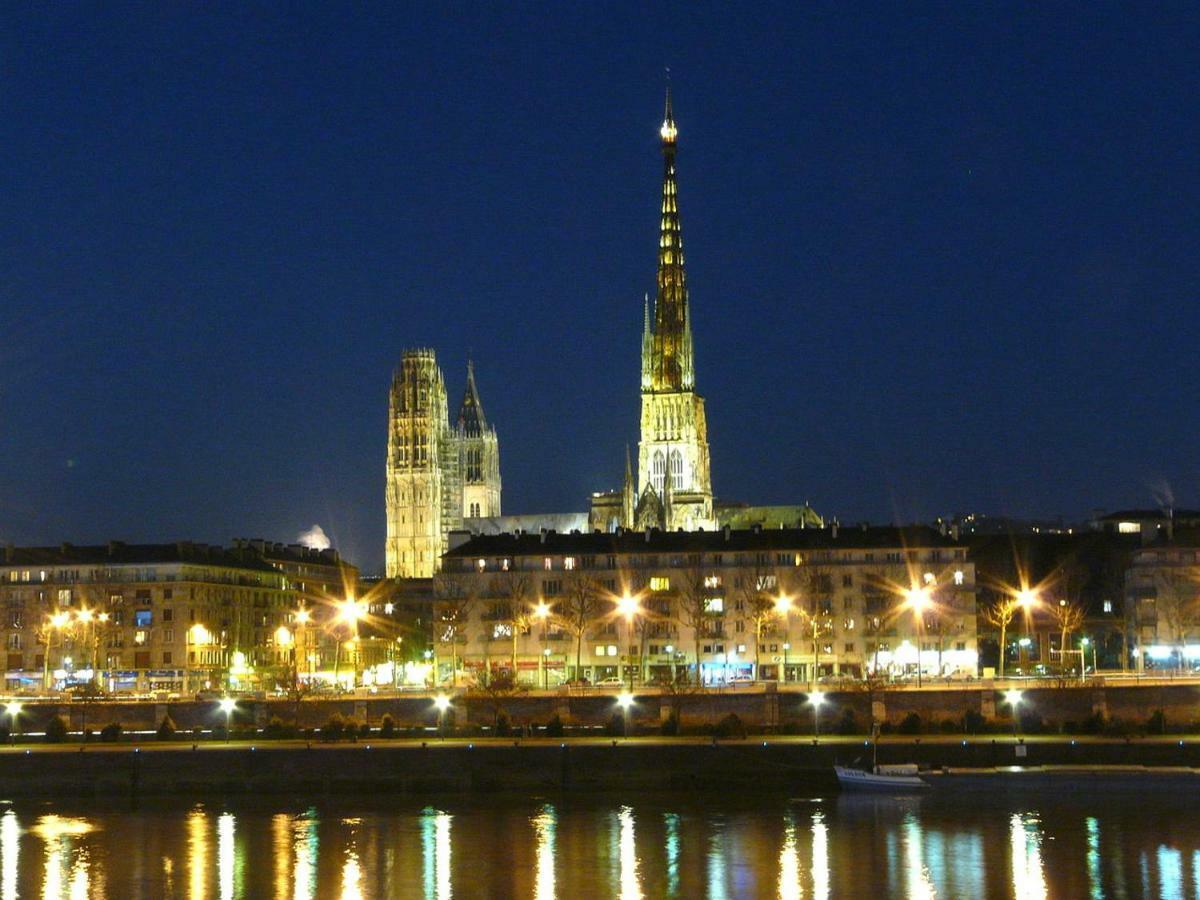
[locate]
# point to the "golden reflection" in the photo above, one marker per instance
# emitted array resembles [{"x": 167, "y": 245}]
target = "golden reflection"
[
  {"x": 57, "y": 832},
  {"x": 543, "y": 827},
  {"x": 197, "y": 838},
  {"x": 443, "y": 856},
  {"x": 631, "y": 886},
  {"x": 820, "y": 857},
  {"x": 435, "y": 851},
  {"x": 919, "y": 882},
  {"x": 281, "y": 850},
  {"x": 10, "y": 853},
  {"x": 304, "y": 849},
  {"x": 80, "y": 870},
  {"x": 789, "y": 865},
  {"x": 351, "y": 876},
  {"x": 1029, "y": 879},
  {"x": 225, "y": 857}
]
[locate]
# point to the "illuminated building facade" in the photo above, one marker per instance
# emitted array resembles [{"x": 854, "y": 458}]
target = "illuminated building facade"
[
  {"x": 641, "y": 606},
  {"x": 436, "y": 474},
  {"x": 157, "y": 617}
]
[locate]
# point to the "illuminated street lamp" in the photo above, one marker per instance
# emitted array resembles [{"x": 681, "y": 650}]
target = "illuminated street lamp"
[
  {"x": 918, "y": 601},
  {"x": 816, "y": 698},
  {"x": 197, "y": 634},
  {"x": 228, "y": 706},
  {"x": 442, "y": 703},
  {"x": 628, "y": 606},
  {"x": 350, "y": 611},
  {"x": 56, "y": 622},
  {"x": 13, "y": 708},
  {"x": 541, "y": 612},
  {"x": 1013, "y": 698},
  {"x": 625, "y": 701}
]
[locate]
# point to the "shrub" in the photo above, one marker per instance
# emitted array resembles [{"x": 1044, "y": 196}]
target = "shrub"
[
  {"x": 730, "y": 727},
  {"x": 616, "y": 725},
  {"x": 554, "y": 728},
  {"x": 334, "y": 728},
  {"x": 387, "y": 726},
  {"x": 364, "y": 730},
  {"x": 4, "y": 734},
  {"x": 670, "y": 725},
  {"x": 166, "y": 729},
  {"x": 276, "y": 729},
  {"x": 1031, "y": 722},
  {"x": 911, "y": 724},
  {"x": 111, "y": 732},
  {"x": 1157, "y": 723},
  {"x": 1118, "y": 727},
  {"x": 948, "y": 726},
  {"x": 848, "y": 724},
  {"x": 503, "y": 724},
  {"x": 973, "y": 722},
  {"x": 56, "y": 730}
]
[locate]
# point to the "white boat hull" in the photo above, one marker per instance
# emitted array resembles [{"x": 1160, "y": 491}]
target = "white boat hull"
[{"x": 858, "y": 780}]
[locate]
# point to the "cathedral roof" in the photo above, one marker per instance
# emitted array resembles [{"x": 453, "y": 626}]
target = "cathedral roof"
[
  {"x": 655, "y": 541},
  {"x": 471, "y": 420}
]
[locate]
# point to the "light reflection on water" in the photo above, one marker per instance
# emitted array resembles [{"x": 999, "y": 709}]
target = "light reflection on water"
[{"x": 584, "y": 847}]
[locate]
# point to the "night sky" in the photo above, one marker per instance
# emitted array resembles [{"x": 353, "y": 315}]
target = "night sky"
[{"x": 941, "y": 258}]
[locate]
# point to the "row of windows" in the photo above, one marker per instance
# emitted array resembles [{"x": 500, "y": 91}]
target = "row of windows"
[{"x": 570, "y": 563}]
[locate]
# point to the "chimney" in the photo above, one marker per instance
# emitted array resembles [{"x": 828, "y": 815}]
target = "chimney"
[
  {"x": 954, "y": 532},
  {"x": 543, "y": 535},
  {"x": 648, "y": 534},
  {"x": 726, "y": 529},
  {"x": 833, "y": 529}
]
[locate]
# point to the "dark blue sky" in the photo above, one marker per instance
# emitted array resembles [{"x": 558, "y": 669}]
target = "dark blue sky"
[{"x": 941, "y": 258}]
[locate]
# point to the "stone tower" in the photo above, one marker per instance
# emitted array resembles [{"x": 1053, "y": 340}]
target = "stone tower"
[
  {"x": 424, "y": 483},
  {"x": 674, "y": 483},
  {"x": 480, "y": 455}
]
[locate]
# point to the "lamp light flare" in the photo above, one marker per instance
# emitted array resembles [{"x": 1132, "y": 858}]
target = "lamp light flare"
[
  {"x": 627, "y": 605},
  {"x": 783, "y": 604},
  {"x": 816, "y": 698},
  {"x": 442, "y": 702},
  {"x": 625, "y": 700},
  {"x": 1026, "y": 597},
  {"x": 1013, "y": 696},
  {"x": 228, "y": 705}
]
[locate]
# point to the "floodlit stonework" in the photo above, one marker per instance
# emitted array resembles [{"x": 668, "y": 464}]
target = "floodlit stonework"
[{"x": 436, "y": 474}]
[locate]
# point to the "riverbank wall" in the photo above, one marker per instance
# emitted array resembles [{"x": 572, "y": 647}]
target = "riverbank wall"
[
  {"x": 768, "y": 710},
  {"x": 539, "y": 768}
]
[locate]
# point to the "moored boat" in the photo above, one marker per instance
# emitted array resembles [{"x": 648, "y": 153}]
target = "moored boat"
[{"x": 881, "y": 778}]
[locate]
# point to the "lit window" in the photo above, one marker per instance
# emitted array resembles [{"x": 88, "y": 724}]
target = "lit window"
[
  {"x": 612, "y": 649},
  {"x": 660, "y": 583},
  {"x": 505, "y": 564},
  {"x": 741, "y": 648},
  {"x": 599, "y": 650},
  {"x": 714, "y": 604},
  {"x": 848, "y": 625},
  {"x": 712, "y": 581},
  {"x": 139, "y": 637},
  {"x": 1108, "y": 606},
  {"x": 569, "y": 563},
  {"x": 958, "y": 576},
  {"x": 481, "y": 564},
  {"x": 1129, "y": 527},
  {"x": 547, "y": 564},
  {"x": 389, "y": 608}
]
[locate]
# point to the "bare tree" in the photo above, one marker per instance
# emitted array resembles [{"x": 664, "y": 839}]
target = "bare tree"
[
  {"x": 692, "y": 608},
  {"x": 811, "y": 587},
  {"x": 1175, "y": 604},
  {"x": 516, "y": 590},
  {"x": 581, "y": 605},
  {"x": 1068, "y": 617},
  {"x": 761, "y": 606},
  {"x": 1000, "y": 614},
  {"x": 457, "y": 597}
]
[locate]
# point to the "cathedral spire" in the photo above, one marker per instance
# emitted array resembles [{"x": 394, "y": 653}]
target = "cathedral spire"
[
  {"x": 671, "y": 367},
  {"x": 471, "y": 420}
]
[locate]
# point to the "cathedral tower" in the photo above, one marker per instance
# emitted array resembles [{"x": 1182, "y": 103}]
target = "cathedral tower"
[
  {"x": 424, "y": 485},
  {"x": 674, "y": 482},
  {"x": 480, "y": 455}
]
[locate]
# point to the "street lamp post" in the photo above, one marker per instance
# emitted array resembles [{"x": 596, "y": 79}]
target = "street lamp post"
[
  {"x": 541, "y": 612},
  {"x": 625, "y": 701},
  {"x": 918, "y": 601},
  {"x": 54, "y": 623},
  {"x": 783, "y": 608},
  {"x": 228, "y": 705},
  {"x": 786, "y": 647},
  {"x": 13, "y": 708},
  {"x": 1013, "y": 697},
  {"x": 816, "y": 698},
  {"x": 442, "y": 703},
  {"x": 628, "y": 606}
]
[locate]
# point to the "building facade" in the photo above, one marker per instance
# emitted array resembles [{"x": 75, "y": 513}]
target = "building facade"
[
  {"x": 711, "y": 607},
  {"x": 1162, "y": 602},
  {"x": 436, "y": 474},
  {"x": 159, "y": 617}
]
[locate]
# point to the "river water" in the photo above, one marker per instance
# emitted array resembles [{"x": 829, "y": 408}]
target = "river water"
[{"x": 1062, "y": 845}]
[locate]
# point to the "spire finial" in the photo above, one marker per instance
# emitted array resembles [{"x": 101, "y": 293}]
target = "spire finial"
[{"x": 668, "y": 130}]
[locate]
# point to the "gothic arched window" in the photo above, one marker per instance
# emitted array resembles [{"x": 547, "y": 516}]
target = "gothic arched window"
[
  {"x": 658, "y": 471},
  {"x": 676, "y": 470}
]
